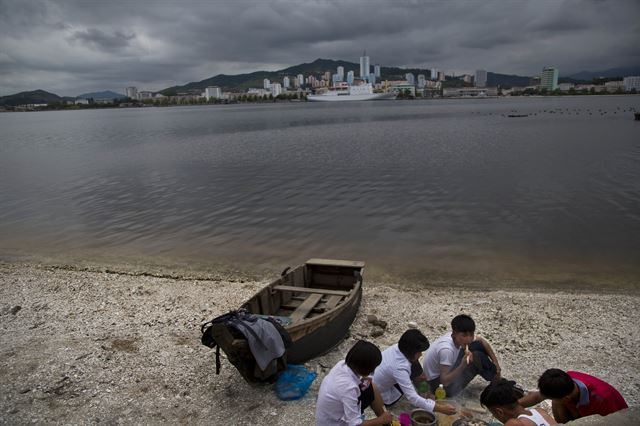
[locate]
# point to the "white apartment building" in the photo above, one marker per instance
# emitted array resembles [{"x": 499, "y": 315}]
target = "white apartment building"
[
  {"x": 276, "y": 89},
  {"x": 300, "y": 79},
  {"x": 422, "y": 81},
  {"x": 350, "y": 77},
  {"x": 266, "y": 84},
  {"x": 376, "y": 70},
  {"x": 632, "y": 82},
  {"x": 411, "y": 79},
  {"x": 481, "y": 78},
  {"x": 341, "y": 73},
  {"x": 434, "y": 74},
  {"x": 549, "y": 78},
  {"x": 213, "y": 92},
  {"x": 131, "y": 92},
  {"x": 613, "y": 86},
  {"x": 285, "y": 82}
]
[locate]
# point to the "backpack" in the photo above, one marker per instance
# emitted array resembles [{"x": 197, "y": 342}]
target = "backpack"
[{"x": 227, "y": 331}]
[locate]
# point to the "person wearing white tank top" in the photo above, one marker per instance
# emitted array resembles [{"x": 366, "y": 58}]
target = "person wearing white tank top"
[{"x": 502, "y": 401}]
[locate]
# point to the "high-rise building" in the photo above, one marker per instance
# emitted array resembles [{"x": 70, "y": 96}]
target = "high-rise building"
[
  {"x": 630, "y": 83},
  {"x": 285, "y": 82},
  {"x": 410, "y": 78},
  {"x": 481, "y": 78},
  {"x": 326, "y": 76},
  {"x": 276, "y": 89},
  {"x": 434, "y": 74},
  {"x": 341, "y": 73},
  {"x": 301, "y": 79},
  {"x": 213, "y": 92},
  {"x": 266, "y": 83},
  {"x": 549, "y": 78},
  {"x": 422, "y": 81},
  {"x": 372, "y": 78},
  {"x": 131, "y": 92},
  {"x": 350, "y": 77},
  {"x": 376, "y": 70},
  {"x": 441, "y": 76},
  {"x": 364, "y": 66}
]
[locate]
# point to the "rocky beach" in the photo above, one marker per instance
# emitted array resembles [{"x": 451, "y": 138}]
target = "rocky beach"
[{"x": 111, "y": 347}]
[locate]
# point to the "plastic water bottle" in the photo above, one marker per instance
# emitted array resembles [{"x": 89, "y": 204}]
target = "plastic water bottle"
[{"x": 440, "y": 393}]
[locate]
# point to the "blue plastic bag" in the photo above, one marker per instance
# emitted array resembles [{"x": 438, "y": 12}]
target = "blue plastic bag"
[{"x": 294, "y": 382}]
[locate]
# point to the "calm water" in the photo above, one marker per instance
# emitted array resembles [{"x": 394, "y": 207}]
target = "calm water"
[{"x": 413, "y": 188}]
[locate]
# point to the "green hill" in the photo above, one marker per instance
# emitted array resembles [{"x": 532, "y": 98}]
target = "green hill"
[{"x": 34, "y": 97}]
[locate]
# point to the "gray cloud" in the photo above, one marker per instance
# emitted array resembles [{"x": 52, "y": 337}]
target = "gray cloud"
[
  {"x": 100, "y": 40},
  {"x": 74, "y": 45}
]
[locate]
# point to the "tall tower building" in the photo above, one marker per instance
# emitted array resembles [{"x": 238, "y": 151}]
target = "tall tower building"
[
  {"x": 364, "y": 66},
  {"x": 410, "y": 78},
  {"x": 266, "y": 83},
  {"x": 341, "y": 73},
  {"x": 131, "y": 92},
  {"x": 434, "y": 74},
  {"x": 350, "y": 77},
  {"x": 481, "y": 78},
  {"x": 301, "y": 79},
  {"x": 285, "y": 82},
  {"x": 549, "y": 78},
  {"x": 422, "y": 81},
  {"x": 376, "y": 70}
]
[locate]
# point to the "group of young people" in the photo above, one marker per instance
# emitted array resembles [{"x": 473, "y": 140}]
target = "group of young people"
[{"x": 371, "y": 378}]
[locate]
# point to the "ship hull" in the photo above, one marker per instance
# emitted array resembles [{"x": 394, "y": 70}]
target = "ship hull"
[{"x": 346, "y": 98}]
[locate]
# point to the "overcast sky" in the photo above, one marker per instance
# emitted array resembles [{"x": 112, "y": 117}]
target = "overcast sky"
[{"x": 71, "y": 47}]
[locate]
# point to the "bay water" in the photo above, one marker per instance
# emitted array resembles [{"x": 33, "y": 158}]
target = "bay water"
[{"x": 421, "y": 190}]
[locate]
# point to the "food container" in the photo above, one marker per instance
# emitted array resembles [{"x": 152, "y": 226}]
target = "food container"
[{"x": 421, "y": 417}]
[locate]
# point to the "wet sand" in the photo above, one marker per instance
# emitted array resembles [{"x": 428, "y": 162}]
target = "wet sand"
[{"x": 90, "y": 346}]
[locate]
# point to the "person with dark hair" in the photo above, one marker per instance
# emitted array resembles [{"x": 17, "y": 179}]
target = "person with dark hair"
[
  {"x": 347, "y": 390},
  {"x": 502, "y": 401},
  {"x": 400, "y": 365},
  {"x": 457, "y": 357},
  {"x": 574, "y": 395}
]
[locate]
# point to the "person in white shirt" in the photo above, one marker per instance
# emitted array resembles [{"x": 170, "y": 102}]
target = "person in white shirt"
[
  {"x": 399, "y": 367},
  {"x": 457, "y": 357},
  {"x": 347, "y": 390},
  {"x": 501, "y": 399}
]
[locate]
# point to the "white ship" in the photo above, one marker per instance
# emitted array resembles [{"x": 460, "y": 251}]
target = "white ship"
[{"x": 362, "y": 92}]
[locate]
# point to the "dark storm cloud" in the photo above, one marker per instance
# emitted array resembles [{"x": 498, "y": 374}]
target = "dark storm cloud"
[
  {"x": 102, "y": 41},
  {"x": 73, "y": 46}
]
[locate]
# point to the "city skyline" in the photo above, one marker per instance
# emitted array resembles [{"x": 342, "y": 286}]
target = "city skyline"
[{"x": 73, "y": 47}]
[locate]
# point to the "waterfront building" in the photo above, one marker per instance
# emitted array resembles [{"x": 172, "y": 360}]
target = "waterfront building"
[
  {"x": 341, "y": 73},
  {"x": 565, "y": 87},
  {"x": 364, "y": 66},
  {"x": 276, "y": 89},
  {"x": 467, "y": 92},
  {"x": 213, "y": 92},
  {"x": 481, "y": 78},
  {"x": 441, "y": 76},
  {"x": 145, "y": 94},
  {"x": 434, "y": 74},
  {"x": 257, "y": 92},
  {"x": 266, "y": 84},
  {"x": 422, "y": 81},
  {"x": 327, "y": 76},
  {"x": 631, "y": 82},
  {"x": 131, "y": 92},
  {"x": 80, "y": 101},
  {"x": 300, "y": 79},
  {"x": 614, "y": 86},
  {"x": 549, "y": 78},
  {"x": 350, "y": 77},
  {"x": 285, "y": 82},
  {"x": 335, "y": 79},
  {"x": 376, "y": 70},
  {"x": 410, "y": 78}
]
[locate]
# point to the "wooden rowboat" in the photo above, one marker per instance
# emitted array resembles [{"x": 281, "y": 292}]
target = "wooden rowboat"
[{"x": 316, "y": 304}]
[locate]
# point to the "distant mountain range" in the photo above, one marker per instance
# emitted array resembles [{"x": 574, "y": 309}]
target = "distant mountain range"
[
  {"x": 107, "y": 94},
  {"x": 319, "y": 66},
  {"x": 611, "y": 72},
  {"x": 241, "y": 82}
]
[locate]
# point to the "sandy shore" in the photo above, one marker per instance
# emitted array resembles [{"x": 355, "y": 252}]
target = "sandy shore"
[{"x": 95, "y": 347}]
